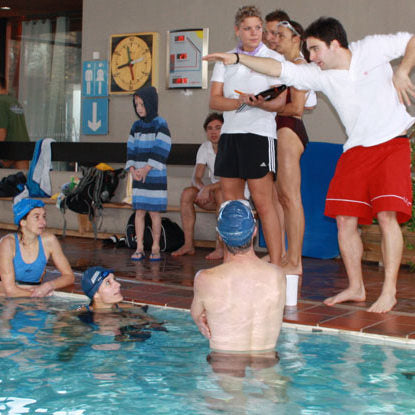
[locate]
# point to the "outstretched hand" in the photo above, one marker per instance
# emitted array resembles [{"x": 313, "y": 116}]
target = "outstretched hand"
[
  {"x": 404, "y": 87},
  {"x": 226, "y": 58}
]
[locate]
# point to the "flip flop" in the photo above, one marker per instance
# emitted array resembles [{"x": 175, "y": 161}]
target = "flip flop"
[
  {"x": 155, "y": 257},
  {"x": 137, "y": 256}
]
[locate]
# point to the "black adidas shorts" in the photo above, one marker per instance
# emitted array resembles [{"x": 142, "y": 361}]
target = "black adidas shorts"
[{"x": 245, "y": 156}]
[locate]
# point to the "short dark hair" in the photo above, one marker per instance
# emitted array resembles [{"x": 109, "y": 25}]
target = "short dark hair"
[
  {"x": 239, "y": 249},
  {"x": 212, "y": 117},
  {"x": 277, "y": 15},
  {"x": 327, "y": 29},
  {"x": 2, "y": 81}
]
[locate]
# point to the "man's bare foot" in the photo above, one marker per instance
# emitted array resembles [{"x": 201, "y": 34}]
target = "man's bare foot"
[
  {"x": 291, "y": 269},
  {"x": 383, "y": 304},
  {"x": 184, "y": 250},
  {"x": 216, "y": 254},
  {"x": 347, "y": 295}
]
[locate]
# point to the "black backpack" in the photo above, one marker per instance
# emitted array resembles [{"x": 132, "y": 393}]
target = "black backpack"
[
  {"x": 12, "y": 185},
  {"x": 95, "y": 188},
  {"x": 171, "y": 238}
]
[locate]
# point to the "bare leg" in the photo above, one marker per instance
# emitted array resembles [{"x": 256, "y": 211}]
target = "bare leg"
[
  {"x": 392, "y": 246},
  {"x": 218, "y": 252},
  {"x": 139, "y": 231},
  {"x": 261, "y": 191},
  {"x": 289, "y": 153},
  {"x": 351, "y": 249},
  {"x": 232, "y": 188},
  {"x": 280, "y": 214},
  {"x": 156, "y": 229},
  {"x": 188, "y": 215}
]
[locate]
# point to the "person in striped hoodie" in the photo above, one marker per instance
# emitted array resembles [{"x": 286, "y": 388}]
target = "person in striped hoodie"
[{"x": 148, "y": 148}]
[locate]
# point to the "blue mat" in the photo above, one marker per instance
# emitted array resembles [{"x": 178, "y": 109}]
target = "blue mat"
[{"x": 318, "y": 164}]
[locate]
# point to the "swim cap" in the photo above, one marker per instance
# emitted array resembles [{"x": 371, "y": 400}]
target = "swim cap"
[
  {"x": 23, "y": 207},
  {"x": 236, "y": 223},
  {"x": 92, "y": 279}
]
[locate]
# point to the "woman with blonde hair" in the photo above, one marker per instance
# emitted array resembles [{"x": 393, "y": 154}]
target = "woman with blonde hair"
[{"x": 247, "y": 147}]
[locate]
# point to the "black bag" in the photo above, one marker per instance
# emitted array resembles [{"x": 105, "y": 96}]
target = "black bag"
[
  {"x": 12, "y": 185},
  {"x": 171, "y": 237},
  {"x": 95, "y": 188}
]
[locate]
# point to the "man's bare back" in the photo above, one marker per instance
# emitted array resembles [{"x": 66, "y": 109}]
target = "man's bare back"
[{"x": 239, "y": 305}]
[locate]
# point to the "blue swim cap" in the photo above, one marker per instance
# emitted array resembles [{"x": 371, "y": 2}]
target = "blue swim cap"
[
  {"x": 92, "y": 279},
  {"x": 236, "y": 223},
  {"x": 23, "y": 207}
]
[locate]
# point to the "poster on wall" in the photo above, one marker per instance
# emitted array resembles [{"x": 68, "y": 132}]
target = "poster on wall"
[{"x": 185, "y": 49}]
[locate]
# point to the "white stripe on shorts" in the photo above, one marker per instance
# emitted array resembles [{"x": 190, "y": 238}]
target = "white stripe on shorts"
[{"x": 271, "y": 154}]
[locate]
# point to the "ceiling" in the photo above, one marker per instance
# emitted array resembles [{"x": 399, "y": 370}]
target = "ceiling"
[{"x": 30, "y": 8}]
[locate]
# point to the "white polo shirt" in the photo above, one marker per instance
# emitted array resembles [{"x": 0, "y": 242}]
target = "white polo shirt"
[
  {"x": 240, "y": 78},
  {"x": 206, "y": 156},
  {"x": 363, "y": 95}
]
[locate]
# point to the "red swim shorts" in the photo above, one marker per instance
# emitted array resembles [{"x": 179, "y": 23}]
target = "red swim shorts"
[{"x": 373, "y": 179}]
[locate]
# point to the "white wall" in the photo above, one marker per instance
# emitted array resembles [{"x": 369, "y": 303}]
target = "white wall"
[{"x": 185, "y": 114}]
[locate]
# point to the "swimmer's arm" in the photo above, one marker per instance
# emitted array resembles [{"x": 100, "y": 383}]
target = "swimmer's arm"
[
  {"x": 54, "y": 250},
  {"x": 197, "y": 309},
  {"x": 295, "y": 108},
  {"x": 8, "y": 286},
  {"x": 267, "y": 66}
]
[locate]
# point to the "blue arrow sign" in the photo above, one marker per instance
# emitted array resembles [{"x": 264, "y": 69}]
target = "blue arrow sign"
[{"x": 95, "y": 116}]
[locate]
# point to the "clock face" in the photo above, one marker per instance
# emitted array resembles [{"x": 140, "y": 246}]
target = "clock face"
[{"x": 132, "y": 62}]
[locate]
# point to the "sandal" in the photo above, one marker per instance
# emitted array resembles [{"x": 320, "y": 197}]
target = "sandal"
[
  {"x": 137, "y": 256},
  {"x": 155, "y": 256}
]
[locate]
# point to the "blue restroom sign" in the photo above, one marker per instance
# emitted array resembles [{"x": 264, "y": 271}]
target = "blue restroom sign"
[
  {"x": 95, "y": 79},
  {"x": 95, "y": 116}
]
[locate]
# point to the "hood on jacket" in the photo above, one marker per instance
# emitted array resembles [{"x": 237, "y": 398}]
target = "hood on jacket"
[{"x": 150, "y": 99}]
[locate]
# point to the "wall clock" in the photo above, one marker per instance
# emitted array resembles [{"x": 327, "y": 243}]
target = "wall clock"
[{"x": 133, "y": 62}]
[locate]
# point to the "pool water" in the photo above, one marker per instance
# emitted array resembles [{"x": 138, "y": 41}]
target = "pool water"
[{"x": 51, "y": 362}]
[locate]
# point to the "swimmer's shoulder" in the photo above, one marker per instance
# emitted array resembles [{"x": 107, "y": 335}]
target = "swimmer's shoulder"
[{"x": 7, "y": 244}]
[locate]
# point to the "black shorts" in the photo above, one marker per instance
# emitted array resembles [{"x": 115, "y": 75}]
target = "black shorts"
[
  {"x": 245, "y": 156},
  {"x": 294, "y": 124}
]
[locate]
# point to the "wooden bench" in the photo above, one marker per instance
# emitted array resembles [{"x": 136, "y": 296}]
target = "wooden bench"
[{"x": 85, "y": 227}]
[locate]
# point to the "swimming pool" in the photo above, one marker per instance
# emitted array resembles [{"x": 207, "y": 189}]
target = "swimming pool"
[{"x": 51, "y": 362}]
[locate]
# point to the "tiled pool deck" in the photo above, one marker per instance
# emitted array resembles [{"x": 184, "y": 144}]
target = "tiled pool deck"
[{"x": 170, "y": 281}]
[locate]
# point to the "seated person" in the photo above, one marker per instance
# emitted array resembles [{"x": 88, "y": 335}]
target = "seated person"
[
  {"x": 207, "y": 196},
  {"x": 239, "y": 304},
  {"x": 24, "y": 254}
]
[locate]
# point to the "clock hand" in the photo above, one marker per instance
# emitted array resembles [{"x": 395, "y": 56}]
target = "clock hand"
[
  {"x": 132, "y": 72},
  {"x": 128, "y": 54},
  {"x": 130, "y": 63}
]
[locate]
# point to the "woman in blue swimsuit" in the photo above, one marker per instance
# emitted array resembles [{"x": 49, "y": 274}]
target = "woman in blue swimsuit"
[{"x": 24, "y": 255}]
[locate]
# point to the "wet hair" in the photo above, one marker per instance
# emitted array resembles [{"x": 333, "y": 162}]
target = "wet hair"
[
  {"x": 19, "y": 228},
  {"x": 247, "y": 11},
  {"x": 2, "y": 82},
  {"x": 238, "y": 249},
  {"x": 212, "y": 117},
  {"x": 327, "y": 29},
  {"x": 277, "y": 16}
]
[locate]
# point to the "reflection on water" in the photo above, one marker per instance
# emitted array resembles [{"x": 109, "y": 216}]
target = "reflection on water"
[{"x": 55, "y": 359}]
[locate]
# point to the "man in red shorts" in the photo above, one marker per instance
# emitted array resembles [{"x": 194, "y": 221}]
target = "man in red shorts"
[{"x": 372, "y": 178}]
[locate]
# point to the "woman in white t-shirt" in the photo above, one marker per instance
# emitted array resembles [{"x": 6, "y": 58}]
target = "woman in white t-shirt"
[{"x": 247, "y": 147}]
